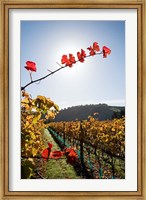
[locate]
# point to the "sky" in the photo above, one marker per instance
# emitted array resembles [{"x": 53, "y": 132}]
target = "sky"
[{"x": 97, "y": 80}]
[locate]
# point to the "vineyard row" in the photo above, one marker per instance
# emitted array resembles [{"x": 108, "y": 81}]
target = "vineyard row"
[{"x": 98, "y": 143}]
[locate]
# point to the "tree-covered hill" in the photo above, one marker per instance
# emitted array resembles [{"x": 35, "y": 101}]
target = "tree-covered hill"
[{"x": 81, "y": 112}]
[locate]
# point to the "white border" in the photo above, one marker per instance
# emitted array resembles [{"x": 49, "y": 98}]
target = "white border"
[{"x": 130, "y": 182}]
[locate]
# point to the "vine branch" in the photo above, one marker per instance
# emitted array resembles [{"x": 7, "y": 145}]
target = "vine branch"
[
  {"x": 52, "y": 72},
  {"x": 22, "y": 88}
]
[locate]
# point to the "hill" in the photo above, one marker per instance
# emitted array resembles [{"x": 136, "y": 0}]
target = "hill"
[{"x": 82, "y": 112}]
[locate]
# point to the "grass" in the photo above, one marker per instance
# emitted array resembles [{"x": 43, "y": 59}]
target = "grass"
[{"x": 57, "y": 169}]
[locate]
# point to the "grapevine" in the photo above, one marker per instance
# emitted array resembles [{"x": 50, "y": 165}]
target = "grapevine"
[
  {"x": 34, "y": 113},
  {"x": 100, "y": 134},
  {"x": 104, "y": 139}
]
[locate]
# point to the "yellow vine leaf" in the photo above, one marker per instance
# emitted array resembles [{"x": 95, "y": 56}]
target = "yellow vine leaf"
[
  {"x": 25, "y": 101},
  {"x": 34, "y": 151},
  {"x": 33, "y": 137}
]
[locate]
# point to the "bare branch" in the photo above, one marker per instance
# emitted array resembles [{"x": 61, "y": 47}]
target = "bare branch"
[
  {"x": 52, "y": 72},
  {"x": 49, "y": 70},
  {"x": 22, "y": 88},
  {"x": 59, "y": 64}
]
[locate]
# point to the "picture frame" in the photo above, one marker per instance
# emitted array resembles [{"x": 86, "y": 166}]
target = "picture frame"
[{"x": 6, "y": 6}]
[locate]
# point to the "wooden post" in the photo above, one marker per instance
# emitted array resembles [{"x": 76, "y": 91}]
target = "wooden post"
[
  {"x": 73, "y": 142},
  {"x": 64, "y": 138},
  {"x": 113, "y": 167},
  {"x": 81, "y": 149},
  {"x": 100, "y": 168},
  {"x": 64, "y": 133}
]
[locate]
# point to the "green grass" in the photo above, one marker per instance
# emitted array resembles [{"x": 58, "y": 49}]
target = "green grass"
[{"x": 58, "y": 169}]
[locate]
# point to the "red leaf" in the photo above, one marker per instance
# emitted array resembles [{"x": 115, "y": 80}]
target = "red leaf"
[
  {"x": 31, "y": 66},
  {"x": 46, "y": 153},
  {"x": 68, "y": 61},
  {"x": 50, "y": 145},
  {"x": 81, "y": 55},
  {"x": 90, "y": 48},
  {"x": 71, "y": 155},
  {"x": 80, "y": 58},
  {"x": 72, "y": 58},
  {"x": 56, "y": 154},
  {"x": 94, "y": 49},
  {"x": 96, "y": 46},
  {"x": 64, "y": 59},
  {"x": 106, "y": 51},
  {"x": 92, "y": 52}
]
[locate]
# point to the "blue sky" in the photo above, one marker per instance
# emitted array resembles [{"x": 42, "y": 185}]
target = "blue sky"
[{"x": 97, "y": 80}]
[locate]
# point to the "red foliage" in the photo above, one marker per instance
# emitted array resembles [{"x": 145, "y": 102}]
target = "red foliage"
[
  {"x": 96, "y": 46},
  {"x": 56, "y": 154},
  {"x": 31, "y": 66},
  {"x": 71, "y": 155},
  {"x": 72, "y": 58},
  {"x": 92, "y": 52},
  {"x": 94, "y": 49},
  {"x": 50, "y": 145},
  {"x": 46, "y": 152},
  {"x": 81, "y": 55},
  {"x": 68, "y": 61},
  {"x": 64, "y": 59},
  {"x": 106, "y": 51}
]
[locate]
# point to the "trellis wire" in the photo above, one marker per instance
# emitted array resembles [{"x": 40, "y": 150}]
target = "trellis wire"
[{"x": 65, "y": 141}]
